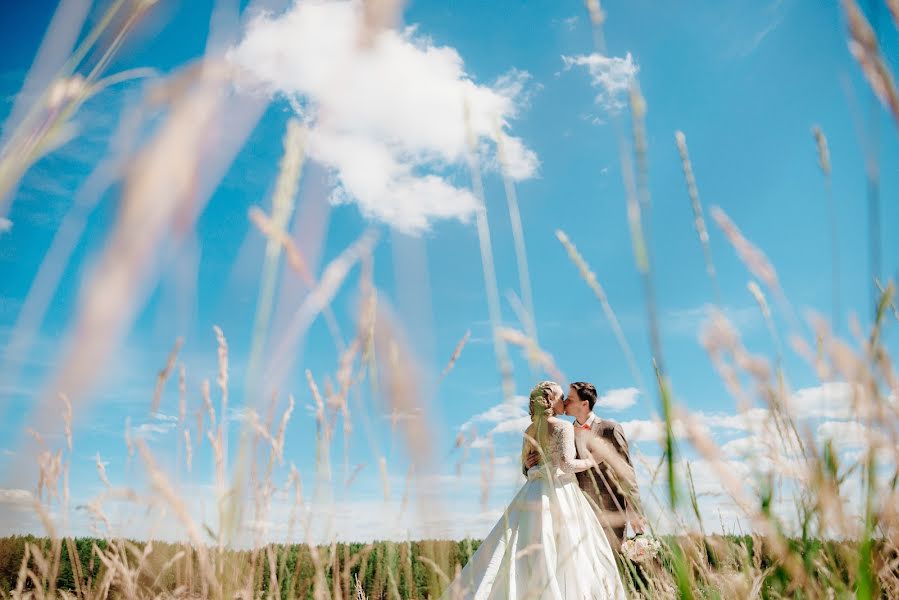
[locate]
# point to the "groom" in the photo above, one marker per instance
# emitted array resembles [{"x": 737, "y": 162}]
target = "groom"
[{"x": 612, "y": 485}]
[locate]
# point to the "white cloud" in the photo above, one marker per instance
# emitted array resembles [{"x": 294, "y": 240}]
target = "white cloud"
[
  {"x": 5, "y": 225},
  {"x": 16, "y": 498},
  {"x": 618, "y": 399},
  {"x": 852, "y": 435},
  {"x": 740, "y": 447},
  {"x": 506, "y": 417},
  {"x": 750, "y": 420},
  {"x": 390, "y": 119},
  {"x": 612, "y": 75},
  {"x": 845, "y": 434},
  {"x": 831, "y": 400},
  {"x": 643, "y": 430},
  {"x": 706, "y": 478}
]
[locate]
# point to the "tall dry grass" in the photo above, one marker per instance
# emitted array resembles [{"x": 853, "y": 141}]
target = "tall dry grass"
[{"x": 838, "y": 537}]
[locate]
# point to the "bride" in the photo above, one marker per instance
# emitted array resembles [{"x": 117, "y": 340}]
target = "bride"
[{"x": 549, "y": 543}]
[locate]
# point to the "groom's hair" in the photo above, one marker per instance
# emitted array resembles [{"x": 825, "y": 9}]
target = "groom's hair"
[{"x": 585, "y": 391}]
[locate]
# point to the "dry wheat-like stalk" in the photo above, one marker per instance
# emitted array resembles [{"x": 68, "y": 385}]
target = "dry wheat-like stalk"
[
  {"x": 294, "y": 257},
  {"x": 164, "y": 374},
  {"x": 754, "y": 258},
  {"x": 823, "y": 151},
  {"x": 894, "y": 10},
  {"x": 864, "y": 47},
  {"x": 49, "y": 469},
  {"x": 318, "y": 298},
  {"x": 590, "y": 278},
  {"x": 436, "y": 568},
  {"x": 696, "y": 205},
  {"x": 297, "y": 264},
  {"x": 711, "y": 453},
  {"x": 488, "y": 265},
  {"x": 174, "y": 501},
  {"x": 283, "y": 203},
  {"x": 222, "y": 379},
  {"x": 524, "y": 277},
  {"x": 824, "y": 163},
  {"x": 457, "y": 352},
  {"x": 385, "y": 478},
  {"x": 378, "y": 15},
  {"x": 279, "y": 439},
  {"x": 47, "y": 123},
  {"x": 188, "y": 450},
  {"x": 597, "y": 16},
  {"x": 207, "y": 403},
  {"x": 101, "y": 470},
  {"x": 529, "y": 345},
  {"x": 67, "y": 419},
  {"x": 320, "y": 421},
  {"x": 488, "y": 462}
]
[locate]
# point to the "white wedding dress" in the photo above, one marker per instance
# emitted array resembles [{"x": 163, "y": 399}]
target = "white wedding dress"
[{"x": 549, "y": 543}]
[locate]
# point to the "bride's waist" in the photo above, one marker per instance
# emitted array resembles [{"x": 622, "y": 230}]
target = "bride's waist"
[{"x": 550, "y": 472}]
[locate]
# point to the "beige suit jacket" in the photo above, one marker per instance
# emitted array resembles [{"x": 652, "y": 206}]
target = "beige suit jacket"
[{"x": 612, "y": 485}]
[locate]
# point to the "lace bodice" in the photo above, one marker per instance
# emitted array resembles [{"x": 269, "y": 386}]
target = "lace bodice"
[{"x": 561, "y": 451}]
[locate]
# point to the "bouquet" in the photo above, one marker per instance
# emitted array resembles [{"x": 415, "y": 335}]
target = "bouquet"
[{"x": 640, "y": 549}]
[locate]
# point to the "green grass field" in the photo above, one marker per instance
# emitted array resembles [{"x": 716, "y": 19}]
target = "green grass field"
[{"x": 719, "y": 567}]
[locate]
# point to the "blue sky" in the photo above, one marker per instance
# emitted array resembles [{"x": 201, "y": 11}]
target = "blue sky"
[{"x": 745, "y": 81}]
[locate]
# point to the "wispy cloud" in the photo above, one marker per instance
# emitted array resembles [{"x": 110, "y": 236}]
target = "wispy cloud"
[
  {"x": 160, "y": 425},
  {"x": 571, "y": 22},
  {"x": 612, "y": 75},
  {"x": 760, "y": 37},
  {"x": 688, "y": 321},
  {"x": 774, "y": 14}
]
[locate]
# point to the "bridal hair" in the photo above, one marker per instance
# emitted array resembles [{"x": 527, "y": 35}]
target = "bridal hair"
[
  {"x": 541, "y": 401},
  {"x": 540, "y": 408}
]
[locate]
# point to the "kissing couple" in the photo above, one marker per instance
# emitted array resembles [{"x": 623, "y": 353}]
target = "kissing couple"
[{"x": 558, "y": 537}]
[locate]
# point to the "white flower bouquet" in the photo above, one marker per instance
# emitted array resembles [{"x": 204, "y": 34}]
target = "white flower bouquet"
[{"x": 640, "y": 549}]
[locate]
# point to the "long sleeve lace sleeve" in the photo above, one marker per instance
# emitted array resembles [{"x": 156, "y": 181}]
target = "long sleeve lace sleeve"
[{"x": 564, "y": 435}]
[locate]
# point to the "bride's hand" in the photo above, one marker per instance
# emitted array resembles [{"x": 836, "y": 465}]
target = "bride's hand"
[
  {"x": 532, "y": 460},
  {"x": 637, "y": 525}
]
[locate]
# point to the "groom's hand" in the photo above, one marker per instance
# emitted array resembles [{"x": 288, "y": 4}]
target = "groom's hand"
[{"x": 532, "y": 459}]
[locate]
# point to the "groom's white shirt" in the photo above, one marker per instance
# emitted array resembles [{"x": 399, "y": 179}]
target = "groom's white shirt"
[
  {"x": 579, "y": 440},
  {"x": 588, "y": 422}
]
